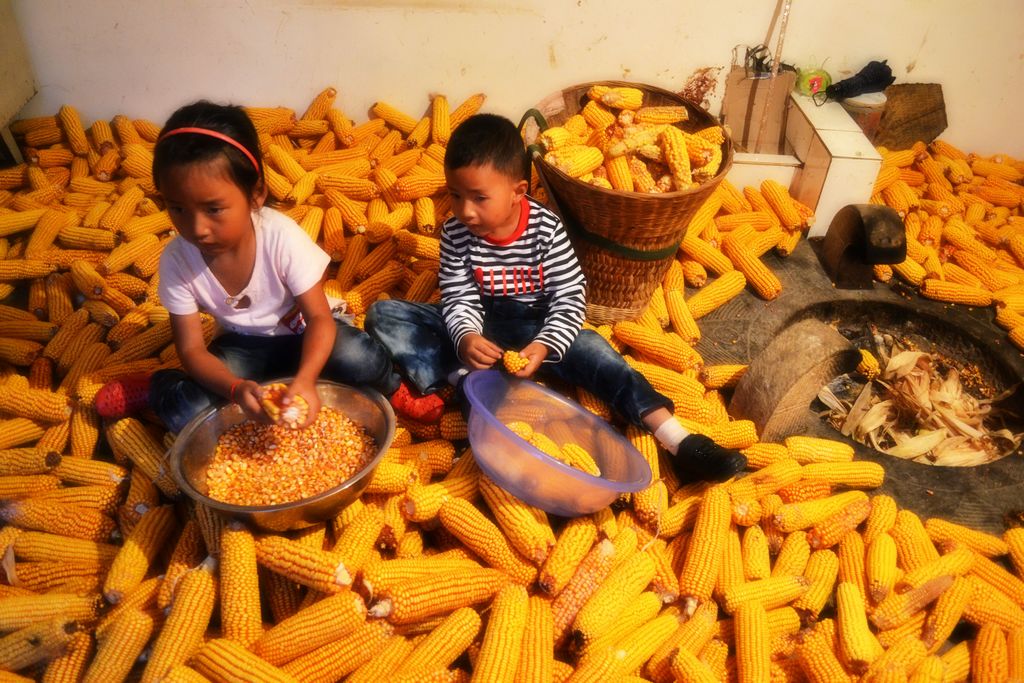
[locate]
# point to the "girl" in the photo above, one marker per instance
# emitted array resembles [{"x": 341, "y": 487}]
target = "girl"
[{"x": 254, "y": 270}]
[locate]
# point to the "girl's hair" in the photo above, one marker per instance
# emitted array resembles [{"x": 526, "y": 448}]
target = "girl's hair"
[
  {"x": 189, "y": 148},
  {"x": 488, "y": 139}
]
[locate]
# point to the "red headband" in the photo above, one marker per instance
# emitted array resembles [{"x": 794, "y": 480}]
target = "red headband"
[{"x": 214, "y": 134}]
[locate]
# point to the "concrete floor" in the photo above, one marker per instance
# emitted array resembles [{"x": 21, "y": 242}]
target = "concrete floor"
[{"x": 980, "y": 497}]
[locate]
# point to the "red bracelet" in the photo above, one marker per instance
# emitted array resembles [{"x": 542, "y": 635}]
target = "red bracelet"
[{"x": 231, "y": 391}]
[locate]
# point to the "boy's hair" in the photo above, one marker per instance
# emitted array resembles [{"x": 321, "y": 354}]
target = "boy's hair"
[
  {"x": 227, "y": 119},
  {"x": 488, "y": 139}
]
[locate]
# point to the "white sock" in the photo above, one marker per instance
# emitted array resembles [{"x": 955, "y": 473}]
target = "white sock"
[
  {"x": 455, "y": 376},
  {"x": 670, "y": 434}
]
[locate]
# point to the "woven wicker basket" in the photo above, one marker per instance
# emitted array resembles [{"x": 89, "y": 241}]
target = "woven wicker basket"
[{"x": 625, "y": 241}]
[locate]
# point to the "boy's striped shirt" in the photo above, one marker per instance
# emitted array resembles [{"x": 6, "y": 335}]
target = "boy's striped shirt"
[{"x": 537, "y": 266}]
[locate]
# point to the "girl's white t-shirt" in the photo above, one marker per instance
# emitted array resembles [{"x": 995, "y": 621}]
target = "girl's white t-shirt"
[{"x": 288, "y": 263}]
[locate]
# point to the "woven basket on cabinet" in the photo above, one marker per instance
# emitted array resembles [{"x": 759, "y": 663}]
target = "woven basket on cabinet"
[{"x": 625, "y": 241}]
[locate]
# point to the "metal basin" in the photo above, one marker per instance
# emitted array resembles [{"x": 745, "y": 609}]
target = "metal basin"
[{"x": 195, "y": 445}]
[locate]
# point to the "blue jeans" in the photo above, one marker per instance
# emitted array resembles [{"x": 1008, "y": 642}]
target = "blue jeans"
[
  {"x": 417, "y": 339},
  {"x": 355, "y": 359}
]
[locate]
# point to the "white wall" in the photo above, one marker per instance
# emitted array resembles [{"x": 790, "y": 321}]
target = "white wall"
[{"x": 145, "y": 58}]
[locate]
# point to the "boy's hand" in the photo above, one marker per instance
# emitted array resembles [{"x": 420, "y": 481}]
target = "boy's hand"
[
  {"x": 479, "y": 352},
  {"x": 307, "y": 392},
  {"x": 534, "y": 353},
  {"x": 247, "y": 395}
]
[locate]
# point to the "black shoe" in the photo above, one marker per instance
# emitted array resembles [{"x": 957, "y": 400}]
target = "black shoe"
[{"x": 698, "y": 457}]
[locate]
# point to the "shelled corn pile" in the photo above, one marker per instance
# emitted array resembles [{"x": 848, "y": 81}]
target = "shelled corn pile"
[
  {"x": 790, "y": 573},
  {"x": 965, "y": 234}
]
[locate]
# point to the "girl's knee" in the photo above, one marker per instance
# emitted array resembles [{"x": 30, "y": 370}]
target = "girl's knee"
[{"x": 357, "y": 357}]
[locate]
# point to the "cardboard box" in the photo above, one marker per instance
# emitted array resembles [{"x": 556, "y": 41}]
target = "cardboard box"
[
  {"x": 744, "y": 104},
  {"x": 839, "y": 163}
]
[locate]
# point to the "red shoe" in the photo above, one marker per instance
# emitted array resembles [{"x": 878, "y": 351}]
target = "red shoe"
[
  {"x": 123, "y": 397},
  {"x": 410, "y": 403}
]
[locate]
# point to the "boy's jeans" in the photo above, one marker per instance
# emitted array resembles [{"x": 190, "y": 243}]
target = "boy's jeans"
[
  {"x": 416, "y": 337},
  {"x": 355, "y": 359}
]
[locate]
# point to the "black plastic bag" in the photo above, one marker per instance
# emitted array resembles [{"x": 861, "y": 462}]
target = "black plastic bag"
[{"x": 874, "y": 77}]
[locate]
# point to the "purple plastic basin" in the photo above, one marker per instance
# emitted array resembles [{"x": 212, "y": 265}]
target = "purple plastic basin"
[{"x": 524, "y": 471}]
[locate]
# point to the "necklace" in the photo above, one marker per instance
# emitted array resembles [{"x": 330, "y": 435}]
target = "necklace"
[{"x": 239, "y": 301}]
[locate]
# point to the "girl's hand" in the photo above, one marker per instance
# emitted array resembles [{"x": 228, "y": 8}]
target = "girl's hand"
[
  {"x": 479, "y": 352},
  {"x": 535, "y": 353},
  {"x": 306, "y": 391},
  {"x": 247, "y": 395}
]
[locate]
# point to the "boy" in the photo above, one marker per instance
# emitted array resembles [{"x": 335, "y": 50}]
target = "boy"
[{"x": 509, "y": 279}]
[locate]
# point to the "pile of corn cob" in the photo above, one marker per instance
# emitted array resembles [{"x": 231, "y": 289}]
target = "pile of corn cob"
[
  {"x": 965, "y": 232},
  {"x": 615, "y": 142},
  {"x": 435, "y": 573}
]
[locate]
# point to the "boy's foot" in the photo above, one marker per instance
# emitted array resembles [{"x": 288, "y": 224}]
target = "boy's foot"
[
  {"x": 700, "y": 457},
  {"x": 410, "y": 403},
  {"x": 122, "y": 397}
]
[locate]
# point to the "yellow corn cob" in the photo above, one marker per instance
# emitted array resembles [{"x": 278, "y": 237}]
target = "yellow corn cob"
[
  {"x": 752, "y": 653},
  {"x": 35, "y": 643},
  {"x": 224, "y": 660},
  {"x": 689, "y": 637},
  {"x": 673, "y": 144},
  {"x": 760, "y": 277},
  {"x": 1015, "y": 652},
  {"x": 441, "y": 646},
  {"x": 502, "y": 643},
  {"x": 70, "y": 666},
  {"x": 575, "y": 160},
  {"x": 186, "y": 622},
  {"x": 769, "y": 479},
  {"x": 668, "y": 350},
  {"x": 774, "y": 591},
  {"x": 642, "y": 179},
  {"x": 954, "y": 292},
  {"x": 36, "y": 404},
  {"x": 793, "y": 556},
  {"x": 118, "y": 650},
  {"x": 68, "y": 520},
  {"x": 594, "y": 568},
  {"x": 621, "y": 587},
  {"x": 957, "y": 562},
  {"x": 188, "y": 552},
  {"x": 989, "y": 656},
  {"x": 943, "y": 532},
  {"x": 467, "y": 108},
  {"x": 948, "y": 609},
  {"x": 318, "y": 569},
  {"x": 312, "y": 627},
  {"x": 714, "y": 295},
  {"x": 913, "y": 546},
  {"x": 989, "y": 605},
  {"x": 411, "y": 187},
  {"x": 809, "y": 449},
  {"x": 898, "y": 608},
  {"x": 703, "y": 554},
  {"x": 239, "y": 586},
  {"x": 829, "y": 531},
  {"x": 858, "y": 644},
  {"x": 394, "y": 117},
  {"x": 140, "y": 548},
  {"x": 468, "y": 524},
  {"x": 1014, "y": 539},
  {"x": 130, "y": 440},
  {"x": 754, "y": 550},
  {"x": 418, "y": 599},
  {"x": 822, "y": 571},
  {"x": 661, "y": 114},
  {"x": 27, "y": 486},
  {"x": 22, "y": 461},
  {"x": 881, "y": 518},
  {"x": 880, "y": 567},
  {"x": 795, "y": 516}
]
